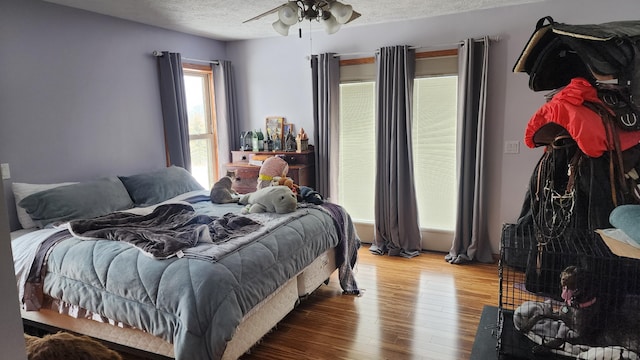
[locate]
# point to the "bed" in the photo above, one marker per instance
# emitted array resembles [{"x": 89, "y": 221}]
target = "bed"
[{"x": 211, "y": 295}]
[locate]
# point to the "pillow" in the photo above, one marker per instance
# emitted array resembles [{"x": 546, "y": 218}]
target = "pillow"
[
  {"x": 21, "y": 191},
  {"x": 77, "y": 201},
  {"x": 150, "y": 188},
  {"x": 626, "y": 218}
]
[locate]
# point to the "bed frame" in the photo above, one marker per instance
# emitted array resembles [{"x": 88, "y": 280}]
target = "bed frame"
[{"x": 254, "y": 325}]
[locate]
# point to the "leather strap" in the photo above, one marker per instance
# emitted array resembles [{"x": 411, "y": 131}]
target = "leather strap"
[{"x": 616, "y": 166}]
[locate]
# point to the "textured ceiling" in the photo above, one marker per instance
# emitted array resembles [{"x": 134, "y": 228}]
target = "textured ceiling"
[{"x": 223, "y": 19}]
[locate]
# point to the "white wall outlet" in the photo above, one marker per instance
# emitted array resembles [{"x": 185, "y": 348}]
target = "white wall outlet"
[
  {"x": 512, "y": 147},
  {"x": 4, "y": 169}
]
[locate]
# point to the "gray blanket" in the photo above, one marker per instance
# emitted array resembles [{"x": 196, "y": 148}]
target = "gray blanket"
[
  {"x": 164, "y": 232},
  {"x": 347, "y": 249}
]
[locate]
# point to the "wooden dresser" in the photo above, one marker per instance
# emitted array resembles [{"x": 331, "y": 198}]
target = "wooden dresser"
[{"x": 301, "y": 168}]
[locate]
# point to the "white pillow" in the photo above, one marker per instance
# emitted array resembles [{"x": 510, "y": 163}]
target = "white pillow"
[{"x": 21, "y": 191}]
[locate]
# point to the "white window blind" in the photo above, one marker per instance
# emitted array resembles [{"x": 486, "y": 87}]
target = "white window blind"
[
  {"x": 357, "y": 149},
  {"x": 434, "y": 150}
]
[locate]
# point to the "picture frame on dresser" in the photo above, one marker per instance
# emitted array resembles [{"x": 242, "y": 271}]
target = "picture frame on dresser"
[
  {"x": 286, "y": 128},
  {"x": 274, "y": 125}
]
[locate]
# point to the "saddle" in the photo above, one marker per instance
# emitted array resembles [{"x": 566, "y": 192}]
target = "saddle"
[{"x": 557, "y": 53}]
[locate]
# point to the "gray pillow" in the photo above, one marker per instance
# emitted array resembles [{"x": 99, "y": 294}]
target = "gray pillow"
[
  {"x": 83, "y": 200},
  {"x": 150, "y": 188}
]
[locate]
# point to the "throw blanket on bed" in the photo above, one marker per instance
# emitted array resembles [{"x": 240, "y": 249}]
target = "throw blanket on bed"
[
  {"x": 33, "y": 296},
  {"x": 347, "y": 249},
  {"x": 164, "y": 232},
  {"x": 217, "y": 251}
]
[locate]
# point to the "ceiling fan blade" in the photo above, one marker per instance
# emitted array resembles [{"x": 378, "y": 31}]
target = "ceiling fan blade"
[
  {"x": 274, "y": 10},
  {"x": 354, "y": 16}
]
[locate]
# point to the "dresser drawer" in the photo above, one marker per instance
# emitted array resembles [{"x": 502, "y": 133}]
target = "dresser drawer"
[
  {"x": 240, "y": 156},
  {"x": 246, "y": 178},
  {"x": 293, "y": 158}
]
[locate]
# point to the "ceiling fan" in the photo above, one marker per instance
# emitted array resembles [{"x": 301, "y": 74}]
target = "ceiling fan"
[{"x": 331, "y": 13}]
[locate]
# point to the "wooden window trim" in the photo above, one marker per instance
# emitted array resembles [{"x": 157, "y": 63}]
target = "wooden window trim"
[
  {"x": 197, "y": 67},
  {"x": 419, "y": 55}
]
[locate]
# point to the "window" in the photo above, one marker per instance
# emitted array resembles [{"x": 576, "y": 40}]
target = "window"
[
  {"x": 357, "y": 149},
  {"x": 434, "y": 139},
  {"x": 198, "y": 84},
  {"x": 434, "y": 150}
]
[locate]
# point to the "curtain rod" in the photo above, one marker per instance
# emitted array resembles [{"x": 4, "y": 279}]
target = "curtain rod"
[
  {"x": 494, "y": 38},
  {"x": 214, "y": 62}
]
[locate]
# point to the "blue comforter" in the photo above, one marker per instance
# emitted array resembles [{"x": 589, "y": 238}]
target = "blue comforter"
[{"x": 196, "y": 304}]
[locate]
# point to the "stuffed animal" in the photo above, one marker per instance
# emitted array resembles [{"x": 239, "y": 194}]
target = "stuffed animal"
[
  {"x": 271, "y": 167},
  {"x": 308, "y": 194},
  {"x": 286, "y": 181},
  {"x": 276, "y": 199}
]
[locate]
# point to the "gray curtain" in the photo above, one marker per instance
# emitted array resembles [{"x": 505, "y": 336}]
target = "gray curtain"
[
  {"x": 226, "y": 112},
  {"x": 397, "y": 230},
  {"x": 174, "y": 110},
  {"x": 470, "y": 241},
  {"x": 325, "y": 69}
]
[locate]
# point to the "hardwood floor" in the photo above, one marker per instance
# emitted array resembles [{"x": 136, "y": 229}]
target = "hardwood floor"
[{"x": 420, "y": 308}]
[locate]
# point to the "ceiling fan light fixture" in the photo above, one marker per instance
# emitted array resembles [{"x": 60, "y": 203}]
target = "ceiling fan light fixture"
[
  {"x": 288, "y": 13},
  {"x": 281, "y": 28},
  {"x": 331, "y": 13},
  {"x": 331, "y": 25},
  {"x": 341, "y": 12}
]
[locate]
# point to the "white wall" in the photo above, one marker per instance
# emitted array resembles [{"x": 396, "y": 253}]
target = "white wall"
[
  {"x": 79, "y": 94},
  {"x": 274, "y": 78}
]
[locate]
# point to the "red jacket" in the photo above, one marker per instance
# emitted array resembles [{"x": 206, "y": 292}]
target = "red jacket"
[{"x": 566, "y": 109}]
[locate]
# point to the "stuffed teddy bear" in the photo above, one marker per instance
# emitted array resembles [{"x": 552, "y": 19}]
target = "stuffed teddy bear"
[
  {"x": 286, "y": 181},
  {"x": 276, "y": 199},
  {"x": 271, "y": 167}
]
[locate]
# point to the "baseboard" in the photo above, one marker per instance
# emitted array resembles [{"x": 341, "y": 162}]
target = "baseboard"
[{"x": 432, "y": 240}]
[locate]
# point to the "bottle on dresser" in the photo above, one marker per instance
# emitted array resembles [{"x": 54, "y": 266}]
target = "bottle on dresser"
[
  {"x": 260, "y": 140},
  {"x": 254, "y": 141}
]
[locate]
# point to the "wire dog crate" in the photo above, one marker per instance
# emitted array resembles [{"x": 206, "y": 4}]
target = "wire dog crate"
[{"x": 530, "y": 271}]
